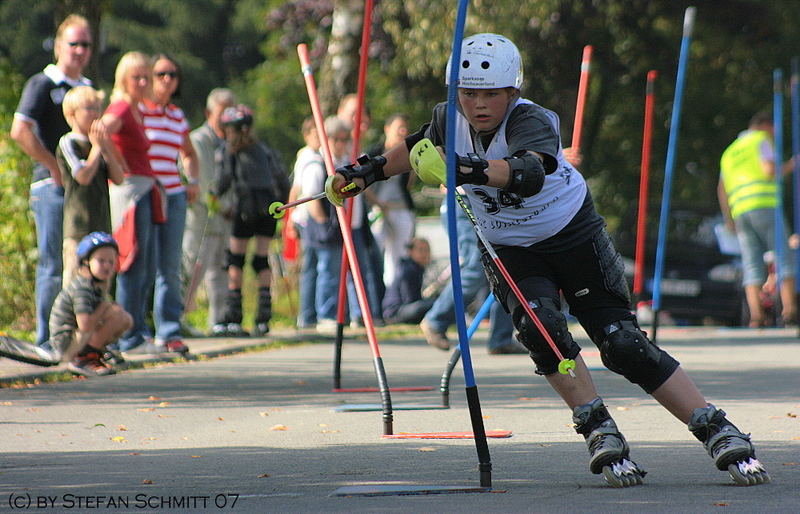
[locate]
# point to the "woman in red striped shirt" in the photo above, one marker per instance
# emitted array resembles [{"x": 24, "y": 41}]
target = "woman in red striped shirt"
[{"x": 168, "y": 131}]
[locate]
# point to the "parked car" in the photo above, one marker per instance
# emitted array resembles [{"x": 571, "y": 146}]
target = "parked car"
[{"x": 700, "y": 285}]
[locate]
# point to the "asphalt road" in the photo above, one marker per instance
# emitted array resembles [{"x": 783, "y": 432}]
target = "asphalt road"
[{"x": 260, "y": 432}]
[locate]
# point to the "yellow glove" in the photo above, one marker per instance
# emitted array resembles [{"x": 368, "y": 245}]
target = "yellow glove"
[{"x": 428, "y": 163}]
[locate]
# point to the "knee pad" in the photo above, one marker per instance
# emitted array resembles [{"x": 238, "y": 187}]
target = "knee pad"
[
  {"x": 260, "y": 263},
  {"x": 234, "y": 259},
  {"x": 626, "y": 350},
  {"x": 554, "y": 322}
]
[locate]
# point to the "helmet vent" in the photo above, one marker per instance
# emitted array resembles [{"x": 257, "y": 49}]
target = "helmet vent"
[{"x": 485, "y": 65}]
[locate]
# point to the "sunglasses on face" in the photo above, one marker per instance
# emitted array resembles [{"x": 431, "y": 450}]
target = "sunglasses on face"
[
  {"x": 82, "y": 44},
  {"x": 162, "y": 74}
]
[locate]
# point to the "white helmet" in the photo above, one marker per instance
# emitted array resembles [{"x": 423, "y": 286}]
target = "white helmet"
[{"x": 488, "y": 61}]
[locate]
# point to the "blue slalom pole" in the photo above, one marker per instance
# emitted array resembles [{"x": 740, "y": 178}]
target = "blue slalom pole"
[
  {"x": 444, "y": 384},
  {"x": 795, "y": 90},
  {"x": 661, "y": 247},
  {"x": 777, "y": 121},
  {"x": 484, "y": 461}
]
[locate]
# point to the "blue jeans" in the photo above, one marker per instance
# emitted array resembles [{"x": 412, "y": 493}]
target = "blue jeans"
[
  {"x": 47, "y": 204},
  {"x": 133, "y": 286},
  {"x": 473, "y": 280},
  {"x": 369, "y": 275},
  {"x": 329, "y": 260},
  {"x": 308, "y": 286},
  {"x": 167, "y": 300}
]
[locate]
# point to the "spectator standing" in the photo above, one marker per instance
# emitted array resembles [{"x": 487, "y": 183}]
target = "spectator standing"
[
  {"x": 748, "y": 198},
  {"x": 340, "y": 144},
  {"x": 38, "y": 125},
  {"x": 86, "y": 161},
  {"x": 168, "y": 131},
  {"x": 391, "y": 199},
  {"x": 84, "y": 320},
  {"x": 307, "y": 167},
  {"x": 255, "y": 173},
  {"x": 138, "y": 203},
  {"x": 205, "y": 238}
]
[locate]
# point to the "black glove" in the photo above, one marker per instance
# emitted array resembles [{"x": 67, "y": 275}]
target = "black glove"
[
  {"x": 369, "y": 169},
  {"x": 476, "y": 170}
]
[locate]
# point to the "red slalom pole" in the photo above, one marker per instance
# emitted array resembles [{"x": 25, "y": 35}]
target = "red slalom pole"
[
  {"x": 583, "y": 89},
  {"x": 361, "y": 88},
  {"x": 347, "y": 237},
  {"x": 641, "y": 223}
]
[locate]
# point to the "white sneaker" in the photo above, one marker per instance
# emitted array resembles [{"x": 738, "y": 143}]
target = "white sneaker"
[{"x": 326, "y": 326}]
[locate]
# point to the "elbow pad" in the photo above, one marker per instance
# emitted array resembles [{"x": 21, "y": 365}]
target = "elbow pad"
[{"x": 526, "y": 176}]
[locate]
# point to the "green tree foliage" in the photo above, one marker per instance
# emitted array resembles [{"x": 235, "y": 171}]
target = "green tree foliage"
[
  {"x": 17, "y": 237},
  {"x": 250, "y": 45}
]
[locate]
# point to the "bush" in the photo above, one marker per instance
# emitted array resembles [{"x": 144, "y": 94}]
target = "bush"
[{"x": 18, "y": 251}]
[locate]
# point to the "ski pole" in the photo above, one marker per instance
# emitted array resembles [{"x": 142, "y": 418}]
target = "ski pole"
[
  {"x": 347, "y": 237},
  {"x": 426, "y": 161},
  {"x": 278, "y": 209},
  {"x": 565, "y": 366},
  {"x": 583, "y": 89},
  {"x": 672, "y": 149}
]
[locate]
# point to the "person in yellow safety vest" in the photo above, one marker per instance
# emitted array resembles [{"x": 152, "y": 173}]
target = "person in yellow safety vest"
[{"x": 748, "y": 197}]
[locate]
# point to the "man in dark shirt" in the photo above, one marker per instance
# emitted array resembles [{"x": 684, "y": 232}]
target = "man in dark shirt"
[{"x": 38, "y": 125}]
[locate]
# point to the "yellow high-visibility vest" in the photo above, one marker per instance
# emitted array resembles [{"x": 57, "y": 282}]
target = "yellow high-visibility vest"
[{"x": 743, "y": 177}]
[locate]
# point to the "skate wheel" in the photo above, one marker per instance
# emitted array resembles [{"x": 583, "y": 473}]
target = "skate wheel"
[
  {"x": 623, "y": 473},
  {"x": 749, "y": 472},
  {"x": 274, "y": 212}
]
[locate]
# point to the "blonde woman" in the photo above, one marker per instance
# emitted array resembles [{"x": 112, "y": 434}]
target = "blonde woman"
[{"x": 135, "y": 204}]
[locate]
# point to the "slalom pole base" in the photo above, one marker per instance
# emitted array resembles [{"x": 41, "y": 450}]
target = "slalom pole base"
[
  {"x": 365, "y": 407},
  {"x": 375, "y": 389},
  {"x": 448, "y": 435},
  {"x": 402, "y": 490}
]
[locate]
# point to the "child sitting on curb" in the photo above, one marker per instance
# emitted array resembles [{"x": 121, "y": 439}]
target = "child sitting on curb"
[{"x": 83, "y": 320}]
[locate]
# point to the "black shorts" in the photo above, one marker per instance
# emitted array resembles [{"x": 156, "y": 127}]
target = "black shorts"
[
  {"x": 590, "y": 276},
  {"x": 258, "y": 226}
]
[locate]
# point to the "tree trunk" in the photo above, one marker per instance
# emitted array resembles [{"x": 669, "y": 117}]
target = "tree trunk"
[{"x": 339, "y": 74}]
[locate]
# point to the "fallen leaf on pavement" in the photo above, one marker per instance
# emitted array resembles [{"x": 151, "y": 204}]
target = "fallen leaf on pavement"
[
  {"x": 147, "y": 482},
  {"x": 118, "y": 439},
  {"x": 263, "y": 414},
  {"x": 263, "y": 475},
  {"x": 427, "y": 449},
  {"x": 163, "y": 404},
  {"x": 279, "y": 427},
  {"x": 197, "y": 456},
  {"x": 153, "y": 398},
  {"x": 122, "y": 428},
  {"x": 148, "y": 409},
  {"x": 622, "y": 408}
]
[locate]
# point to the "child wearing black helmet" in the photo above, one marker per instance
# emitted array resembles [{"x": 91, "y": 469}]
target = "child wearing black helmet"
[
  {"x": 84, "y": 320},
  {"x": 255, "y": 173}
]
